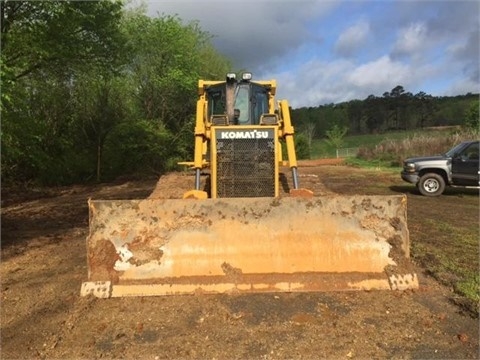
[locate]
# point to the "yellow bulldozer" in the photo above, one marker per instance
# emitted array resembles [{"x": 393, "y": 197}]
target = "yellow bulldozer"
[{"x": 239, "y": 233}]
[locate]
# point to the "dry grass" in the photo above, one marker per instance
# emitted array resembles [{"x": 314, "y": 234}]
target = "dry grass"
[{"x": 396, "y": 150}]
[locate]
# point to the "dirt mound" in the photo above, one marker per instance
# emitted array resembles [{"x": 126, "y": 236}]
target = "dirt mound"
[{"x": 173, "y": 185}]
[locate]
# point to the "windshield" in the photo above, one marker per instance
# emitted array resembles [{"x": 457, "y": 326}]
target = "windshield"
[
  {"x": 250, "y": 102},
  {"x": 450, "y": 153},
  {"x": 242, "y": 99}
]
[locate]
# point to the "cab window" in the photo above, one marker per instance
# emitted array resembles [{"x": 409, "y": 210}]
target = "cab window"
[
  {"x": 260, "y": 104},
  {"x": 241, "y": 104},
  {"x": 216, "y": 102}
]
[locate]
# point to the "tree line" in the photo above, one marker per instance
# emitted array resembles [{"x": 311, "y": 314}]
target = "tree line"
[
  {"x": 395, "y": 110},
  {"x": 92, "y": 90}
]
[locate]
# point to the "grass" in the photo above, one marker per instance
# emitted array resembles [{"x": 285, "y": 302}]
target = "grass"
[
  {"x": 374, "y": 164},
  {"x": 444, "y": 241},
  {"x": 470, "y": 287},
  {"x": 455, "y": 266}
]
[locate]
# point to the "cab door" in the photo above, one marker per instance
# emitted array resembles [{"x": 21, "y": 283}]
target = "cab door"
[{"x": 465, "y": 166}]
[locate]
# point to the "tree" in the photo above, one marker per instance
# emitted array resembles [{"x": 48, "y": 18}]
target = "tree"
[
  {"x": 373, "y": 114},
  {"x": 355, "y": 115},
  {"x": 58, "y": 35},
  {"x": 425, "y": 108},
  {"x": 168, "y": 58},
  {"x": 397, "y": 101},
  {"x": 45, "y": 47},
  {"x": 80, "y": 78},
  {"x": 335, "y": 135},
  {"x": 472, "y": 117},
  {"x": 309, "y": 132},
  {"x": 103, "y": 106}
]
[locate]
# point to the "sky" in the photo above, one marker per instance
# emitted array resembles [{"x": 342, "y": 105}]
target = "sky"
[{"x": 322, "y": 52}]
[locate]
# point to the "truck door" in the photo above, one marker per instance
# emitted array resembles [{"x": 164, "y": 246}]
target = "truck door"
[{"x": 465, "y": 166}]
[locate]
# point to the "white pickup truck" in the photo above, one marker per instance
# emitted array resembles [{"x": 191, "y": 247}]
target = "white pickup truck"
[{"x": 457, "y": 167}]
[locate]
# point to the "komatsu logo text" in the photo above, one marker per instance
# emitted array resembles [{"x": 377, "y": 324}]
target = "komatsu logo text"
[{"x": 246, "y": 134}]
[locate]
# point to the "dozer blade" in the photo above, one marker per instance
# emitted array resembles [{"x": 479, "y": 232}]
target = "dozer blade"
[{"x": 161, "y": 247}]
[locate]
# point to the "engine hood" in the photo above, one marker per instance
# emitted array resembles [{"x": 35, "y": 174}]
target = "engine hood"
[{"x": 427, "y": 158}]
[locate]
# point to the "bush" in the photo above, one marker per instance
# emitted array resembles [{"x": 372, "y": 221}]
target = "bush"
[
  {"x": 302, "y": 147},
  {"x": 472, "y": 117},
  {"x": 137, "y": 147}
]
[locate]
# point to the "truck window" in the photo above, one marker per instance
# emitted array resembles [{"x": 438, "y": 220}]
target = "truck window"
[{"x": 471, "y": 152}]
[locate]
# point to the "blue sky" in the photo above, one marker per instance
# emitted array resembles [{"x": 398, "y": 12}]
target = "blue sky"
[{"x": 324, "y": 52}]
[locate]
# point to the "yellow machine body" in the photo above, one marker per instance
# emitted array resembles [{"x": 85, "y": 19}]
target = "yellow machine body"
[
  {"x": 239, "y": 133},
  {"x": 240, "y": 232}
]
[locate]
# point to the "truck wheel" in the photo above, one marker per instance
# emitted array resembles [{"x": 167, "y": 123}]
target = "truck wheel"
[{"x": 431, "y": 184}]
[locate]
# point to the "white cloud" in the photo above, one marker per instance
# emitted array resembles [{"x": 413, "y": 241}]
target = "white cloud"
[
  {"x": 317, "y": 82},
  {"x": 321, "y": 82},
  {"x": 381, "y": 72},
  {"x": 314, "y": 83},
  {"x": 411, "y": 39},
  {"x": 352, "y": 39}
]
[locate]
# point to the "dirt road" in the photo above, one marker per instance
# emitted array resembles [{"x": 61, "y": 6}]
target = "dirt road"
[{"x": 42, "y": 315}]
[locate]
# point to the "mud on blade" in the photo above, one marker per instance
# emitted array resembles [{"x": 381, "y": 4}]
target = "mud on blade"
[{"x": 160, "y": 247}]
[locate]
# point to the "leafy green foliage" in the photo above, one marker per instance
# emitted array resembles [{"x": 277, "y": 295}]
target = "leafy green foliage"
[
  {"x": 46, "y": 46},
  {"x": 335, "y": 135},
  {"x": 101, "y": 104},
  {"x": 138, "y": 147},
  {"x": 92, "y": 91},
  {"x": 58, "y": 35},
  {"x": 302, "y": 147},
  {"x": 397, "y": 110},
  {"x": 472, "y": 118}
]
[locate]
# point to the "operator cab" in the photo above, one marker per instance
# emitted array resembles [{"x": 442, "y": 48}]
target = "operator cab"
[{"x": 249, "y": 100}]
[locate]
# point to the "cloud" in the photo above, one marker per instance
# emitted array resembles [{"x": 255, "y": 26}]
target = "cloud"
[
  {"x": 254, "y": 34},
  {"x": 467, "y": 53},
  {"x": 333, "y": 51},
  {"x": 314, "y": 83},
  {"x": 411, "y": 40},
  {"x": 318, "y": 82},
  {"x": 380, "y": 72},
  {"x": 352, "y": 39}
]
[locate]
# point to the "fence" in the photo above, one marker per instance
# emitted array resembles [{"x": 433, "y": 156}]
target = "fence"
[{"x": 346, "y": 152}]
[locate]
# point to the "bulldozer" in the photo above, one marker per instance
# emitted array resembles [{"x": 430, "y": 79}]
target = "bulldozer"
[{"x": 244, "y": 230}]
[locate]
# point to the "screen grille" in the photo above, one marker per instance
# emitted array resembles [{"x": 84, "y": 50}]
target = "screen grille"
[{"x": 246, "y": 167}]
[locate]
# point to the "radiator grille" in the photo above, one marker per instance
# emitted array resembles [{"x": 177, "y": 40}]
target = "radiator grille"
[{"x": 245, "y": 167}]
